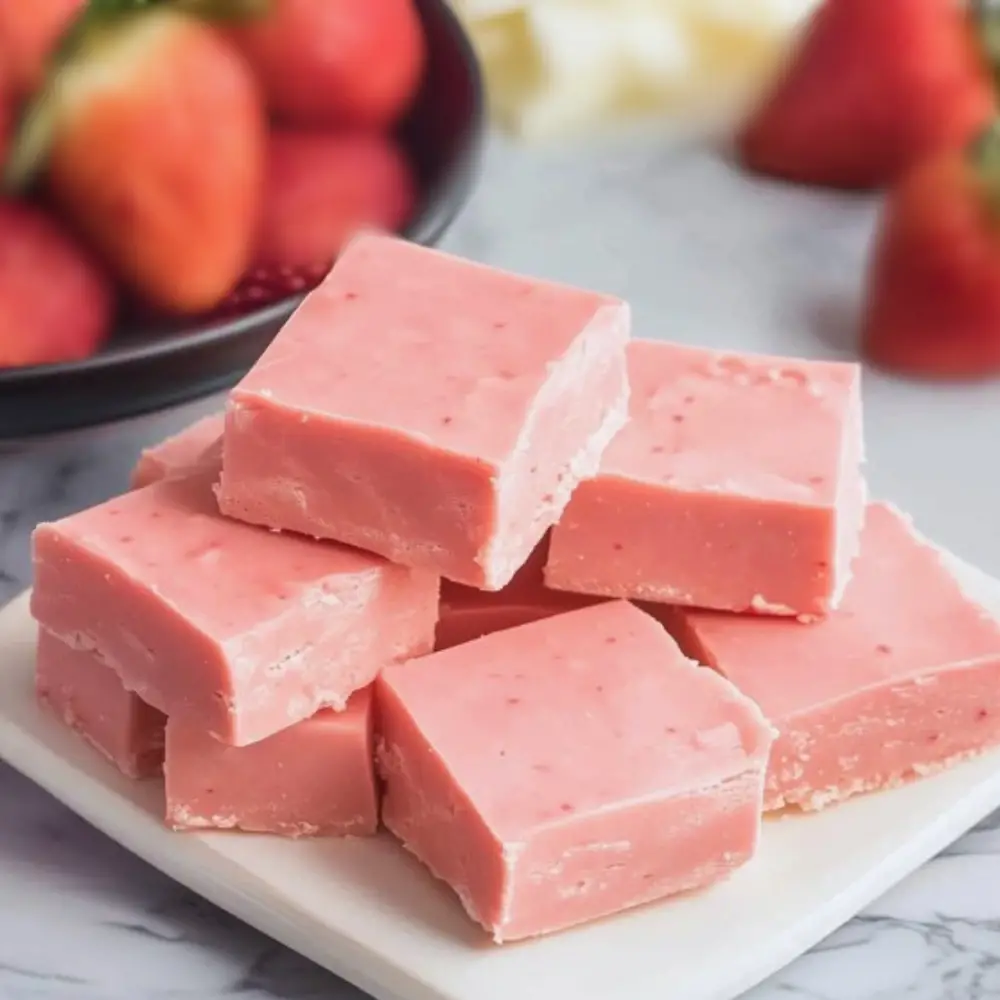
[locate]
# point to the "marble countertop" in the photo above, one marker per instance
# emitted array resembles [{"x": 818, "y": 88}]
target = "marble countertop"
[{"x": 705, "y": 257}]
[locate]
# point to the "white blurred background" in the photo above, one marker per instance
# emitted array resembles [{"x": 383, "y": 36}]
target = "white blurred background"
[{"x": 558, "y": 66}]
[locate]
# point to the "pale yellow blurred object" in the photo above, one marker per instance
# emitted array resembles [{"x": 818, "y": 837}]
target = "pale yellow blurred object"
[{"x": 558, "y": 66}]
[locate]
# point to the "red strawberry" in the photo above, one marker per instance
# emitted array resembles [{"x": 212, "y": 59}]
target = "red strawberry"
[
  {"x": 933, "y": 305},
  {"x": 29, "y": 31},
  {"x": 154, "y": 135},
  {"x": 325, "y": 62},
  {"x": 56, "y": 304},
  {"x": 320, "y": 188},
  {"x": 873, "y": 88}
]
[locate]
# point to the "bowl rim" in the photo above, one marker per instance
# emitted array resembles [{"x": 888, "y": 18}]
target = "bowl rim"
[{"x": 442, "y": 202}]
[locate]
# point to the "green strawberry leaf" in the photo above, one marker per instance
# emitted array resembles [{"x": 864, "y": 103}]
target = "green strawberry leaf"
[
  {"x": 222, "y": 10},
  {"x": 986, "y": 15},
  {"x": 30, "y": 147},
  {"x": 102, "y": 12},
  {"x": 984, "y": 154}
]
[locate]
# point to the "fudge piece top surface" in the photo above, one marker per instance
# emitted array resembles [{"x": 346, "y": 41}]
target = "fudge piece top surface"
[
  {"x": 431, "y": 346},
  {"x": 225, "y": 577},
  {"x": 588, "y": 710},
  {"x": 718, "y": 421}
]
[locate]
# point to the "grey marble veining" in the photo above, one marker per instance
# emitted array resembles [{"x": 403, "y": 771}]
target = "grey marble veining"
[{"x": 704, "y": 257}]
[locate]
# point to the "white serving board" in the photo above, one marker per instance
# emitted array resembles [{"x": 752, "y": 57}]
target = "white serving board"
[{"x": 367, "y": 911}]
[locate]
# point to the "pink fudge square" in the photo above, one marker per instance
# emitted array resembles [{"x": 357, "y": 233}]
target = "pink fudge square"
[
  {"x": 570, "y": 768},
  {"x": 433, "y": 410},
  {"x": 900, "y": 681},
  {"x": 90, "y": 699},
  {"x": 178, "y": 454},
  {"x": 736, "y": 485},
  {"x": 241, "y": 631},
  {"x": 467, "y": 613},
  {"x": 316, "y": 778}
]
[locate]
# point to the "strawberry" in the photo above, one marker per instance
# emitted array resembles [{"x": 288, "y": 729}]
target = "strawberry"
[
  {"x": 29, "y": 32},
  {"x": 335, "y": 62},
  {"x": 56, "y": 304},
  {"x": 873, "y": 88},
  {"x": 321, "y": 187},
  {"x": 152, "y": 135},
  {"x": 933, "y": 301}
]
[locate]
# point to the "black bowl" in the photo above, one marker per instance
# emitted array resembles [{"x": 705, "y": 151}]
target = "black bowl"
[{"x": 152, "y": 368}]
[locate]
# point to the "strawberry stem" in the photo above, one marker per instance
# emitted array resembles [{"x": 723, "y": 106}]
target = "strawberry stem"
[
  {"x": 984, "y": 157},
  {"x": 222, "y": 10},
  {"x": 986, "y": 16},
  {"x": 103, "y": 11},
  {"x": 30, "y": 147}
]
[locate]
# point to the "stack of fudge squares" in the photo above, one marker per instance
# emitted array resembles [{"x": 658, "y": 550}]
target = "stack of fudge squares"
[{"x": 564, "y": 611}]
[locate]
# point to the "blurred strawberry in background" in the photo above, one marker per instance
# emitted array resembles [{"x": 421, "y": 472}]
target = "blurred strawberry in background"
[
  {"x": 321, "y": 187},
  {"x": 56, "y": 303},
  {"x": 29, "y": 32},
  {"x": 336, "y": 62},
  {"x": 156, "y": 154},
  {"x": 933, "y": 299},
  {"x": 872, "y": 89}
]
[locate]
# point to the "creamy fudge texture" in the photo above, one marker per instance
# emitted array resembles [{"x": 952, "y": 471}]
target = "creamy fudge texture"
[
  {"x": 88, "y": 696},
  {"x": 240, "y": 631},
  {"x": 569, "y": 768},
  {"x": 316, "y": 778},
  {"x": 902, "y": 680},
  {"x": 735, "y": 485},
  {"x": 433, "y": 410},
  {"x": 176, "y": 455},
  {"x": 467, "y": 613}
]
